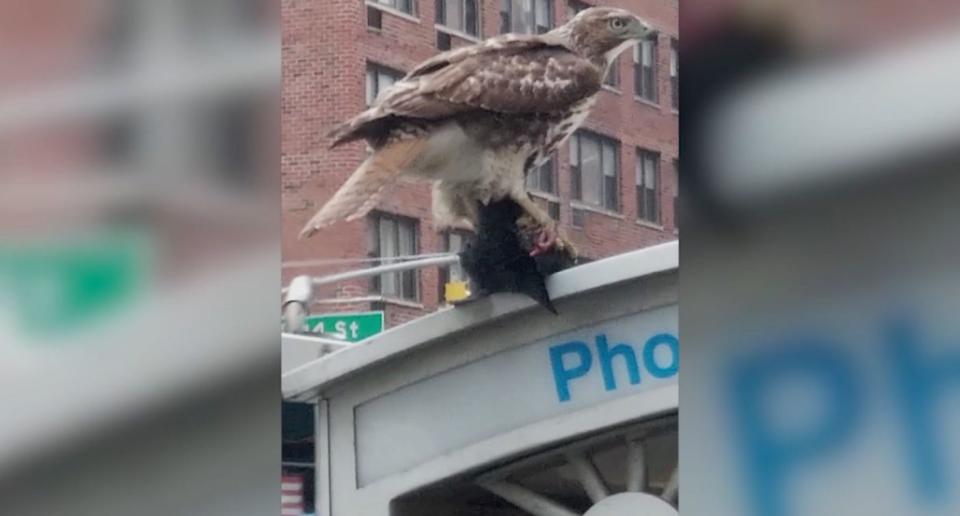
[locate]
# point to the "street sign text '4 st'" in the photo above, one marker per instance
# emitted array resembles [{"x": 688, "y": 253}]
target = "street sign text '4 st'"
[{"x": 351, "y": 327}]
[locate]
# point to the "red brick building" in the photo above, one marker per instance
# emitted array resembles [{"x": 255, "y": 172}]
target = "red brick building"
[{"x": 612, "y": 186}]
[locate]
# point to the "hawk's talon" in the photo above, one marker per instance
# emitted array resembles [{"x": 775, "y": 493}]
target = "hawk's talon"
[{"x": 546, "y": 239}]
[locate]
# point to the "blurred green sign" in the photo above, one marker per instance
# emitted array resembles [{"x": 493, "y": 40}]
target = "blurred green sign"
[
  {"x": 59, "y": 286},
  {"x": 351, "y": 327}
]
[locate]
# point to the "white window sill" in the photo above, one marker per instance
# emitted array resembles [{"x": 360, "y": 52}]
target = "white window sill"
[
  {"x": 396, "y": 12},
  {"x": 651, "y": 225},
  {"x": 545, "y": 196},
  {"x": 611, "y": 89},
  {"x": 456, "y": 33},
  {"x": 647, "y": 102},
  {"x": 398, "y": 302},
  {"x": 595, "y": 209}
]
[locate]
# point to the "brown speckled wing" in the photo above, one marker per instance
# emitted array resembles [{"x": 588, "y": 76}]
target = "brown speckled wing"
[
  {"x": 508, "y": 74},
  {"x": 507, "y": 80}
]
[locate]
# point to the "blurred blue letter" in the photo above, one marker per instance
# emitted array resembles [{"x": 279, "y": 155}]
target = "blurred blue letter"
[
  {"x": 561, "y": 375},
  {"x": 769, "y": 458}
]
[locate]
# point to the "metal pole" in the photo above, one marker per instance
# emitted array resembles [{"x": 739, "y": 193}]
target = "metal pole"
[
  {"x": 299, "y": 294},
  {"x": 383, "y": 269}
]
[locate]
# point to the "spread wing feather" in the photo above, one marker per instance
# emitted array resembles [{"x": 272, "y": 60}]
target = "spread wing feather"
[
  {"x": 363, "y": 189},
  {"x": 509, "y": 74}
]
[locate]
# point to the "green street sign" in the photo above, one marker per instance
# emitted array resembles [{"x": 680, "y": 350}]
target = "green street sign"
[
  {"x": 351, "y": 327},
  {"x": 55, "y": 287}
]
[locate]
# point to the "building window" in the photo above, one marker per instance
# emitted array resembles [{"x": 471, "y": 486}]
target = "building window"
[
  {"x": 595, "y": 170},
  {"x": 676, "y": 195},
  {"x": 675, "y": 74},
  {"x": 405, "y": 6},
  {"x": 379, "y": 78},
  {"x": 459, "y": 15},
  {"x": 577, "y": 218},
  {"x": 645, "y": 69},
  {"x": 542, "y": 178},
  {"x": 526, "y": 16},
  {"x": 390, "y": 237},
  {"x": 648, "y": 186},
  {"x": 443, "y": 41},
  {"x": 613, "y": 74},
  {"x": 374, "y": 18}
]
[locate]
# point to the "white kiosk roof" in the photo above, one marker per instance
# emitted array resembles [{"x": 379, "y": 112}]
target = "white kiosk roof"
[{"x": 311, "y": 379}]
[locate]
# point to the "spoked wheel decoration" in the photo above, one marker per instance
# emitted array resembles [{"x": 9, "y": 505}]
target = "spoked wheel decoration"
[{"x": 615, "y": 473}]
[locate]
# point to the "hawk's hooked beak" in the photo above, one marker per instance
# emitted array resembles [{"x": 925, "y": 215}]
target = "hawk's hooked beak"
[{"x": 639, "y": 29}]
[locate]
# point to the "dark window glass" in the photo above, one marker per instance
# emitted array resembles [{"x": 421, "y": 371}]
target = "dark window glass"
[
  {"x": 674, "y": 74},
  {"x": 406, "y": 6},
  {"x": 459, "y": 15},
  {"x": 553, "y": 209},
  {"x": 506, "y": 23},
  {"x": 613, "y": 75},
  {"x": 595, "y": 170},
  {"x": 542, "y": 178},
  {"x": 379, "y": 78},
  {"x": 676, "y": 195},
  {"x": 374, "y": 18},
  {"x": 577, "y": 217},
  {"x": 645, "y": 69},
  {"x": 443, "y": 41},
  {"x": 526, "y": 16},
  {"x": 392, "y": 237},
  {"x": 648, "y": 186}
]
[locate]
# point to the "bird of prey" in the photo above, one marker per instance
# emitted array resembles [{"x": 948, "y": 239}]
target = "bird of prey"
[{"x": 474, "y": 120}]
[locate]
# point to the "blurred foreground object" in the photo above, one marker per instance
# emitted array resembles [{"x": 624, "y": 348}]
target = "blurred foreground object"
[
  {"x": 139, "y": 257},
  {"x": 820, "y": 336}
]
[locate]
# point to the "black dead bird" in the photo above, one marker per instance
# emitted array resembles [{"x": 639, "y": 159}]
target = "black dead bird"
[{"x": 497, "y": 258}]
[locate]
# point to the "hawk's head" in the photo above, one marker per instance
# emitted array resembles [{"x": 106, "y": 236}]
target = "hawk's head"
[{"x": 603, "y": 32}]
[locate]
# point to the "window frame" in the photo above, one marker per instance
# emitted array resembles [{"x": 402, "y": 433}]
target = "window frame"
[
  {"x": 675, "y": 74},
  {"x": 402, "y": 278},
  {"x": 551, "y": 169},
  {"x": 508, "y": 19},
  {"x": 441, "y": 22},
  {"x": 576, "y": 170},
  {"x": 653, "y": 96},
  {"x": 379, "y": 69},
  {"x": 676, "y": 195},
  {"x": 642, "y": 187},
  {"x": 391, "y": 6},
  {"x": 612, "y": 78}
]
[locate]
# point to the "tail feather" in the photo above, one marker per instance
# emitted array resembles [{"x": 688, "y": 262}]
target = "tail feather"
[{"x": 363, "y": 189}]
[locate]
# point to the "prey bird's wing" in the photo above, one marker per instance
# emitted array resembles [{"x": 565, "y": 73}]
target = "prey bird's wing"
[{"x": 508, "y": 74}]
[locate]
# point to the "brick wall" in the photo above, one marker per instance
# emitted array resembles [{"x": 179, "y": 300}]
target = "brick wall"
[{"x": 326, "y": 46}]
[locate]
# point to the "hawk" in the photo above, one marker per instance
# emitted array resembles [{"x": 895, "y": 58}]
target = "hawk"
[{"x": 474, "y": 120}]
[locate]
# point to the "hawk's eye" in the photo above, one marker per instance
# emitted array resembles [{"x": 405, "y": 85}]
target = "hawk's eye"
[{"x": 617, "y": 24}]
